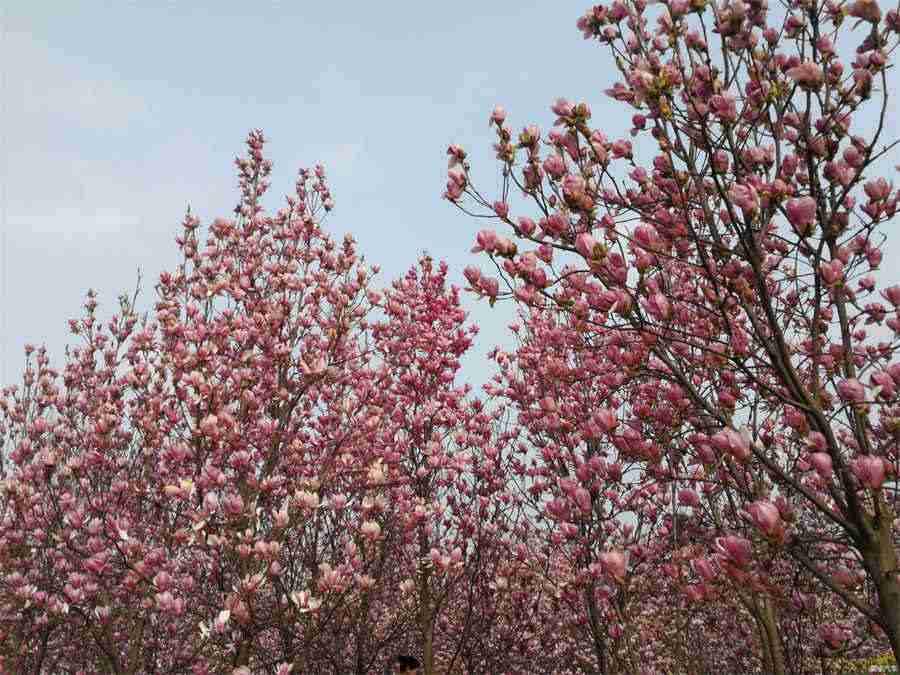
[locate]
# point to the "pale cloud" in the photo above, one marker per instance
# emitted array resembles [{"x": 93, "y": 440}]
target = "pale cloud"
[
  {"x": 88, "y": 103},
  {"x": 50, "y": 89},
  {"x": 54, "y": 192}
]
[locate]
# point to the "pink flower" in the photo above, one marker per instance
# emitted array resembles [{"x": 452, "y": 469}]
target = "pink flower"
[
  {"x": 869, "y": 470},
  {"x": 486, "y": 240},
  {"x": 615, "y": 563},
  {"x": 646, "y": 236},
  {"x": 720, "y": 161},
  {"x": 821, "y": 462},
  {"x": 808, "y": 75},
  {"x": 316, "y": 368},
  {"x": 583, "y": 498},
  {"x": 745, "y": 197},
  {"x": 490, "y": 286},
  {"x": 688, "y": 497},
  {"x": 658, "y": 307},
  {"x": 733, "y": 442},
  {"x": 885, "y": 383},
  {"x": 833, "y": 636},
  {"x": 854, "y": 157},
  {"x": 766, "y": 517},
  {"x": 621, "y": 149},
  {"x": 562, "y": 108},
  {"x": 370, "y": 529},
  {"x": 526, "y": 226},
  {"x": 724, "y": 106},
  {"x": 892, "y": 295},
  {"x": 573, "y": 188},
  {"x": 874, "y": 257},
  {"x": 498, "y": 115},
  {"x": 505, "y": 246},
  {"x": 457, "y": 155},
  {"x": 736, "y": 550},
  {"x": 817, "y": 441},
  {"x": 556, "y": 224},
  {"x": 606, "y": 419},
  {"x": 851, "y": 390},
  {"x": 586, "y": 245},
  {"x": 801, "y": 213},
  {"x": 501, "y": 209},
  {"x": 867, "y": 10},
  {"x": 555, "y": 166},
  {"x": 894, "y": 371},
  {"x": 704, "y": 569},
  {"x": 832, "y": 272},
  {"x": 694, "y": 592},
  {"x": 877, "y": 190}
]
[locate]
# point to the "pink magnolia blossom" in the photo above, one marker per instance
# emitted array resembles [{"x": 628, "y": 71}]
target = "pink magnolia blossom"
[
  {"x": 615, "y": 563},
  {"x": 733, "y": 442},
  {"x": 657, "y": 305},
  {"x": 555, "y": 166},
  {"x": 887, "y": 388},
  {"x": 486, "y": 241},
  {"x": 563, "y": 108},
  {"x": 851, "y": 390},
  {"x": 832, "y": 272},
  {"x": 586, "y": 245},
  {"x": 704, "y": 569},
  {"x": 688, "y": 497},
  {"x": 877, "y": 190},
  {"x": 807, "y": 74},
  {"x": 606, "y": 419},
  {"x": 867, "y": 10},
  {"x": 869, "y": 470},
  {"x": 745, "y": 197},
  {"x": 766, "y": 517},
  {"x": 736, "y": 550},
  {"x": 821, "y": 462},
  {"x": 892, "y": 294},
  {"x": 801, "y": 214}
]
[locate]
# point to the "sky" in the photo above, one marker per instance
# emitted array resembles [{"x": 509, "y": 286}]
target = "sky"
[
  {"x": 116, "y": 116},
  {"x": 119, "y": 115}
]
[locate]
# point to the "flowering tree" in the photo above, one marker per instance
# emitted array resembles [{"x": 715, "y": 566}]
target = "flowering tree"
[
  {"x": 446, "y": 459},
  {"x": 272, "y": 472},
  {"x": 734, "y": 272},
  {"x": 592, "y": 504},
  {"x": 163, "y": 504}
]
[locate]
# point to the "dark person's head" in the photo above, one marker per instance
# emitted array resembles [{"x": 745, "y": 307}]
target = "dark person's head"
[{"x": 405, "y": 664}]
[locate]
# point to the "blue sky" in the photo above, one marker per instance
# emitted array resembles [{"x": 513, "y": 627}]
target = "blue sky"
[
  {"x": 117, "y": 115},
  {"x": 120, "y": 114}
]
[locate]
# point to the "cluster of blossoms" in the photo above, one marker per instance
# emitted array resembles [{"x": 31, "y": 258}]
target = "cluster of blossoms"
[
  {"x": 710, "y": 324},
  {"x": 273, "y": 471},
  {"x": 698, "y": 431}
]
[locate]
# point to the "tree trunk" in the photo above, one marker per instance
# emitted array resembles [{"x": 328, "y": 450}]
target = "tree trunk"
[
  {"x": 426, "y": 618},
  {"x": 776, "y": 649},
  {"x": 596, "y": 630},
  {"x": 771, "y": 649},
  {"x": 881, "y": 564}
]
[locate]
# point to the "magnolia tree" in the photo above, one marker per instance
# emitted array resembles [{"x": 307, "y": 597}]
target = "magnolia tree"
[
  {"x": 446, "y": 460},
  {"x": 592, "y": 505},
  {"x": 636, "y": 580},
  {"x": 734, "y": 272},
  {"x": 271, "y": 472}
]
